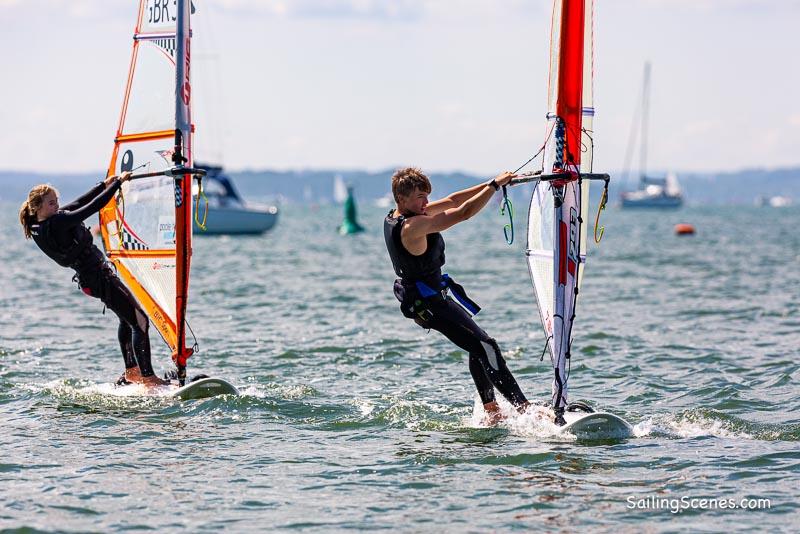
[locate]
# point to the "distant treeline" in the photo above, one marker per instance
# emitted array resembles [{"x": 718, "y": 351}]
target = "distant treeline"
[{"x": 316, "y": 186}]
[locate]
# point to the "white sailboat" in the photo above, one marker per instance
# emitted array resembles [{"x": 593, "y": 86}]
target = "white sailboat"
[{"x": 653, "y": 192}]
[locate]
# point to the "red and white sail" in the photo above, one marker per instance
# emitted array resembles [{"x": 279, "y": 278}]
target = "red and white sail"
[{"x": 558, "y": 213}]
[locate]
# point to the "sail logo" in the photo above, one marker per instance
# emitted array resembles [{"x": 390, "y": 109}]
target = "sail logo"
[
  {"x": 567, "y": 247},
  {"x": 572, "y": 256},
  {"x": 186, "y": 89},
  {"x": 159, "y": 266},
  {"x": 159, "y": 320},
  {"x": 166, "y": 154},
  {"x": 166, "y": 231},
  {"x": 158, "y": 11}
]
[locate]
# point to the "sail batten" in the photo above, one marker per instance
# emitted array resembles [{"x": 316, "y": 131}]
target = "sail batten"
[
  {"x": 144, "y": 136},
  {"x": 154, "y": 36}
]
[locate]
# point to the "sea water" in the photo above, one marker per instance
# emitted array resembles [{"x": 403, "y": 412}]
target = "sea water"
[{"x": 352, "y": 417}]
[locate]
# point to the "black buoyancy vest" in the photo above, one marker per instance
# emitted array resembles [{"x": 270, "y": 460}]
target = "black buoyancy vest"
[
  {"x": 427, "y": 267},
  {"x": 72, "y": 254}
]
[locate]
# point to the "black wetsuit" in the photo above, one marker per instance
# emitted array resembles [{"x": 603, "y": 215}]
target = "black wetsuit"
[
  {"x": 66, "y": 240},
  {"x": 424, "y": 296}
]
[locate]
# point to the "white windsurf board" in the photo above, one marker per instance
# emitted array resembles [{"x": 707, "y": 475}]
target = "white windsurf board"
[
  {"x": 203, "y": 388},
  {"x": 198, "y": 389},
  {"x": 596, "y": 425}
]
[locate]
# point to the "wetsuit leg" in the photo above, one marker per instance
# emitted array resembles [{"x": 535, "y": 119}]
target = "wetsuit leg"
[
  {"x": 105, "y": 285},
  {"x": 486, "y": 363},
  {"x": 125, "y": 336},
  {"x": 121, "y": 301}
]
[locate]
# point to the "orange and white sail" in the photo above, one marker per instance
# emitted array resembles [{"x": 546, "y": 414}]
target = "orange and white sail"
[{"x": 146, "y": 229}]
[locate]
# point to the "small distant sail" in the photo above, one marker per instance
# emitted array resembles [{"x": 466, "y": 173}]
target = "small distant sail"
[
  {"x": 147, "y": 228},
  {"x": 385, "y": 201},
  {"x": 671, "y": 185},
  {"x": 339, "y": 189},
  {"x": 350, "y": 224}
]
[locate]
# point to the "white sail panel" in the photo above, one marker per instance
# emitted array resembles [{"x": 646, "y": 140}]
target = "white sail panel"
[
  {"x": 587, "y": 135},
  {"x": 159, "y": 274},
  {"x": 549, "y": 155},
  {"x": 147, "y": 217},
  {"x": 587, "y": 97},
  {"x": 146, "y": 155},
  {"x": 142, "y": 231},
  {"x": 539, "y": 252},
  {"x": 151, "y": 98}
]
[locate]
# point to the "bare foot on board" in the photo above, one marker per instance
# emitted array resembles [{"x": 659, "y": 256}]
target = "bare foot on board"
[
  {"x": 522, "y": 408},
  {"x": 493, "y": 415},
  {"x": 153, "y": 380},
  {"x": 134, "y": 376}
]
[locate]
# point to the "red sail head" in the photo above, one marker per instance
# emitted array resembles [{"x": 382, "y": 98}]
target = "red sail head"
[{"x": 570, "y": 79}]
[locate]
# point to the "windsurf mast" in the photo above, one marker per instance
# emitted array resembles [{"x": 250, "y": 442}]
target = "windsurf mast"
[
  {"x": 183, "y": 183},
  {"x": 147, "y": 230}
]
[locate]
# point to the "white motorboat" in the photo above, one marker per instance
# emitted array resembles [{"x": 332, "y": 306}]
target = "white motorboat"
[{"x": 228, "y": 213}]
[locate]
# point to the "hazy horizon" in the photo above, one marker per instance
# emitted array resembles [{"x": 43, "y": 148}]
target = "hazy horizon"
[{"x": 377, "y": 171}]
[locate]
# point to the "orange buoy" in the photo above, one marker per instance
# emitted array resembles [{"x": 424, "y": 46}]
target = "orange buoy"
[{"x": 684, "y": 229}]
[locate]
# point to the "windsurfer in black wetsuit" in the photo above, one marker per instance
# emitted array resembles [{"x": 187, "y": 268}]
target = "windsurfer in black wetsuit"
[
  {"x": 416, "y": 248},
  {"x": 61, "y": 234}
]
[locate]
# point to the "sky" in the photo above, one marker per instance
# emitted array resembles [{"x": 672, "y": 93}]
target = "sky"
[{"x": 446, "y": 85}]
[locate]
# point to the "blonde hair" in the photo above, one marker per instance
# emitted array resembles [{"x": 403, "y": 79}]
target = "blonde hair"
[
  {"x": 27, "y": 213},
  {"x": 405, "y": 181}
]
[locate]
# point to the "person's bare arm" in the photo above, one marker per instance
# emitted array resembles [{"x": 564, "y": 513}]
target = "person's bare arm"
[
  {"x": 415, "y": 230},
  {"x": 453, "y": 200}
]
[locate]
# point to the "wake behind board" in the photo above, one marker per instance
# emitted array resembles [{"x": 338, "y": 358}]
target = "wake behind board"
[{"x": 597, "y": 425}]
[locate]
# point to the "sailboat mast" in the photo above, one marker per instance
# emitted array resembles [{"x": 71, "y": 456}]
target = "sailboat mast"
[{"x": 645, "y": 117}]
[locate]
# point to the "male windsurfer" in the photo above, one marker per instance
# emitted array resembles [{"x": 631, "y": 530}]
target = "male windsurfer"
[
  {"x": 412, "y": 231},
  {"x": 61, "y": 234}
]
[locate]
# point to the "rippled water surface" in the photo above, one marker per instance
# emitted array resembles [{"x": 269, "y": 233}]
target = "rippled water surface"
[{"x": 352, "y": 417}]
